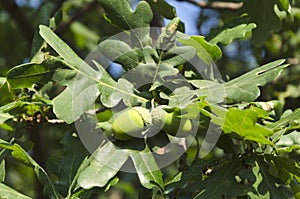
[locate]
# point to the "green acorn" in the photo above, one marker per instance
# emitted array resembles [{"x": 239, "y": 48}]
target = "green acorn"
[
  {"x": 171, "y": 123},
  {"x": 130, "y": 123}
]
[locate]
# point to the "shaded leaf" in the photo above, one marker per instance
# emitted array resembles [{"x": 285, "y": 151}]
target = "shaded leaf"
[
  {"x": 163, "y": 8},
  {"x": 166, "y": 10},
  {"x": 178, "y": 55},
  {"x": 283, "y": 168},
  {"x": 67, "y": 166},
  {"x": 285, "y": 119},
  {"x": 266, "y": 185},
  {"x": 2, "y": 170},
  {"x": 180, "y": 97},
  {"x": 221, "y": 182},
  {"x": 5, "y": 94},
  {"x": 19, "y": 153},
  {"x": 84, "y": 36},
  {"x": 9, "y": 193},
  {"x": 264, "y": 17},
  {"x": 150, "y": 74},
  {"x": 120, "y": 52},
  {"x": 26, "y": 75},
  {"x": 183, "y": 179},
  {"x": 106, "y": 162},
  {"x": 119, "y": 13}
]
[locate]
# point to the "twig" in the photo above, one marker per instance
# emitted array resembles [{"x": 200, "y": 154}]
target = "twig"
[{"x": 216, "y": 5}]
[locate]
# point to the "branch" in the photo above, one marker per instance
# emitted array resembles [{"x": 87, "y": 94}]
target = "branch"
[
  {"x": 216, "y": 5},
  {"x": 20, "y": 18}
]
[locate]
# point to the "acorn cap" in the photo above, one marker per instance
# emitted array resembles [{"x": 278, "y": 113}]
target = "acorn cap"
[{"x": 145, "y": 114}]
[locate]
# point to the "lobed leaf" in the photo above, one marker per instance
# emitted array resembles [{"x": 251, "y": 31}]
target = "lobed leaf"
[
  {"x": 229, "y": 34},
  {"x": 266, "y": 185},
  {"x": 88, "y": 84},
  {"x": 244, "y": 88},
  {"x": 120, "y": 14}
]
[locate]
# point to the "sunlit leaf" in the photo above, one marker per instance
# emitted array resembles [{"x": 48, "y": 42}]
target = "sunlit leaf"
[
  {"x": 106, "y": 162},
  {"x": 229, "y": 34},
  {"x": 207, "y": 52},
  {"x": 288, "y": 142},
  {"x": 244, "y": 88},
  {"x": 147, "y": 169},
  {"x": 9, "y": 193},
  {"x": 83, "y": 90}
]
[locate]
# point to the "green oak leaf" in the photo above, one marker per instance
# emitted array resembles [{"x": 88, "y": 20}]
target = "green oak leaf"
[
  {"x": 120, "y": 52},
  {"x": 285, "y": 119},
  {"x": 10, "y": 193},
  {"x": 166, "y": 10},
  {"x": 244, "y": 123},
  {"x": 206, "y": 51},
  {"x": 241, "y": 122},
  {"x": 106, "y": 162},
  {"x": 288, "y": 142},
  {"x": 19, "y": 153},
  {"x": 68, "y": 164},
  {"x": 82, "y": 90},
  {"x": 266, "y": 185},
  {"x": 222, "y": 182},
  {"x": 154, "y": 74},
  {"x": 177, "y": 55},
  {"x": 283, "y": 168},
  {"x": 6, "y": 96},
  {"x": 120, "y": 14},
  {"x": 147, "y": 169},
  {"x": 244, "y": 88},
  {"x": 229, "y": 34},
  {"x": 29, "y": 74}
]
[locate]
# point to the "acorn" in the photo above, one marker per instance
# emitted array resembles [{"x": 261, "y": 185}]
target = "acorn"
[
  {"x": 171, "y": 122},
  {"x": 131, "y": 123}
]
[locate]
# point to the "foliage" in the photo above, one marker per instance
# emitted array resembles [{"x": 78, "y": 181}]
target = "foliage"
[{"x": 246, "y": 130}]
